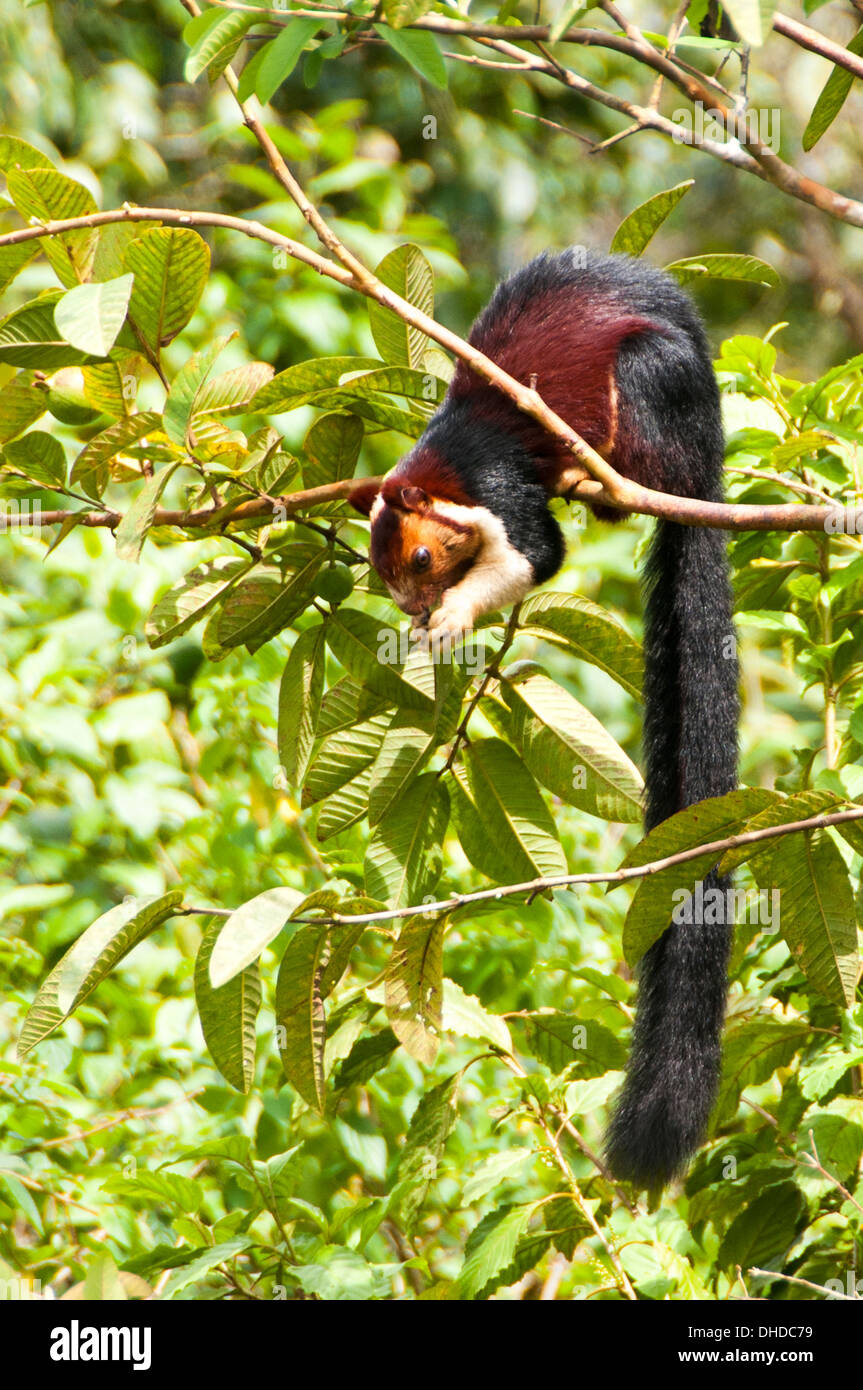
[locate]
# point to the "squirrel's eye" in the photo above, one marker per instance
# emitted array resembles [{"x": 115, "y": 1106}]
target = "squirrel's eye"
[{"x": 421, "y": 559}]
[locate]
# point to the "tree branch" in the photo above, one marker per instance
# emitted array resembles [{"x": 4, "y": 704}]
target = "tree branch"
[{"x": 539, "y": 885}]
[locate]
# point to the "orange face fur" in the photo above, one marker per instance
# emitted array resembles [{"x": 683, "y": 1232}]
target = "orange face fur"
[{"x": 418, "y": 546}]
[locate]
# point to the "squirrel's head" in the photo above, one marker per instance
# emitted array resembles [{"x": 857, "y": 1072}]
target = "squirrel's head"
[{"x": 420, "y": 544}]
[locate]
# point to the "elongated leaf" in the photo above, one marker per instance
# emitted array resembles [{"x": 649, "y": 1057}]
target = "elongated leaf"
[
  {"x": 345, "y": 704},
  {"x": 752, "y": 1051},
  {"x": 282, "y": 56},
  {"x": 40, "y": 457},
  {"x": 14, "y": 151},
  {"x": 300, "y": 694},
  {"x": 13, "y": 259},
  {"x": 262, "y": 605},
  {"x": 21, "y": 404},
  {"x": 301, "y": 383},
  {"x": 405, "y": 856},
  {"x": 132, "y": 530},
  {"x": 831, "y": 98},
  {"x": 765, "y": 1228},
  {"x": 491, "y": 1249},
  {"x": 723, "y": 267},
  {"x": 370, "y": 650},
  {"x": 567, "y": 748},
  {"x": 90, "y": 470},
  {"x": 408, "y": 743},
  {"x": 185, "y": 387},
  {"x": 563, "y": 1040},
  {"x": 465, "y": 1016},
  {"x": 170, "y": 265},
  {"x": 406, "y": 271},
  {"x": 342, "y": 757},
  {"x": 29, "y": 337},
  {"x": 503, "y": 823},
  {"x": 214, "y": 41},
  {"x": 102, "y": 946},
  {"x": 248, "y": 932},
  {"x": 414, "y": 988},
  {"x": 228, "y": 1015},
  {"x": 90, "y": 316},
  {"x": 638, "y": 228},
  {"x": 659, "y": 894},
  {"x": 194, "y": 595},
  {"x": 233, "y": 390},
  {"x": 589, "y": 633},
  {"x": 49, "y": 196},
  {"x": 332, "y": 447},
  {"x": 753, "y": 19},
  {"x": 300, "y": 1018},
  {"x": 817, "y": 912},
  {"x": 417, "y": 47}
]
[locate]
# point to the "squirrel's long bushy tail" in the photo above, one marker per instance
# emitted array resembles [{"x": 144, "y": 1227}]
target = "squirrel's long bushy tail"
[{"x": 690, "y": 745}]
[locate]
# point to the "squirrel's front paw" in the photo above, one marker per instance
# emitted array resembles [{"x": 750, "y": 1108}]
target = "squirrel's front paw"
[{"x": 453, "y": 619}]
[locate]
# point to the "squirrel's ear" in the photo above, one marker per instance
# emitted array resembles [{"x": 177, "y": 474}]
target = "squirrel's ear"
[
  {"x": 363, "y": 496},
  {"x": 414, "y": 499}
]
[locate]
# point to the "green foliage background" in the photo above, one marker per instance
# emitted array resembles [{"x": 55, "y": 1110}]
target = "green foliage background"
[{"x": 130, "y": 768}]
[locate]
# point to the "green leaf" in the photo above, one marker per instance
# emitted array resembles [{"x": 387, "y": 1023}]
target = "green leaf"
[
  {"x": 300, "y": 695},
  {"x": 282, "y": 56},
  {"x": 366, "y": 1057},
  {"x": 189, "y": 380},
  {"x": 405, "y": 856},
  {"x": 561, "y": 1040},
  {"x": 764, "y": 1229},
  {"x": 638, "y": 228},
  {"x": 232, "y": 391},
  {"x": 170, "y": 265},
  {"x": 369, "y": 651},
  {"x": 752, "y": 1051},
  {"x": 29, "y": 337},
  {"x": 300, "y": 1018},
  {"x": 503, "y": 823},
  {"x": 40, "y": 457},
  {"x": 493, "y": 1171},
  {"x": 102, "y": 946},
  {"x": 570, "y": 752},
  {"x": 21, "y": 405},
  {"x": 13, "y": 259},
  {"x": 398, "y": 13},
  {"x": 753, "y": 19},
  {"x": 331, "y": 448},
  {"x": 300, "y": 384},
  {"x": 417, "y": 47},
  {"x": 134, "y": 526},
  {"x": 248, "y": 932},
  {"x": 817, "y": 912},
  {"x": 406, "y": 271},
  {"x": 465, "y": 1016},
  {"x": 490, "y": 1250},
  {"x": 414, "y": 987},
  {"x": 14, "y": 151},
  {"x": 48, "y": 196},
  {"x": 655, "y": 898},
  {"x": 183, "y": 605},
  {"x": 589, "y": 633},
  {"x": 90, "y": 316},
  {"x": 228, "y": 1014},
  {"x": 408, "y": 743},
  {"x": 723, "y": 267},
  {"x": 570, "y": 14},
  {"x": 210, "y": 1258},
  {"x": 214, "y": 43},
  {"x": 831, "y": 98},
  {"x": 342, "y": 757},
  {"x": 262, "y": 605},
  {"x": 90, "y": 469}
]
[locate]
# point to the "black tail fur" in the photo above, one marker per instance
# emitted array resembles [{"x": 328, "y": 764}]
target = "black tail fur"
[{"x": 690, "y": 739}]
